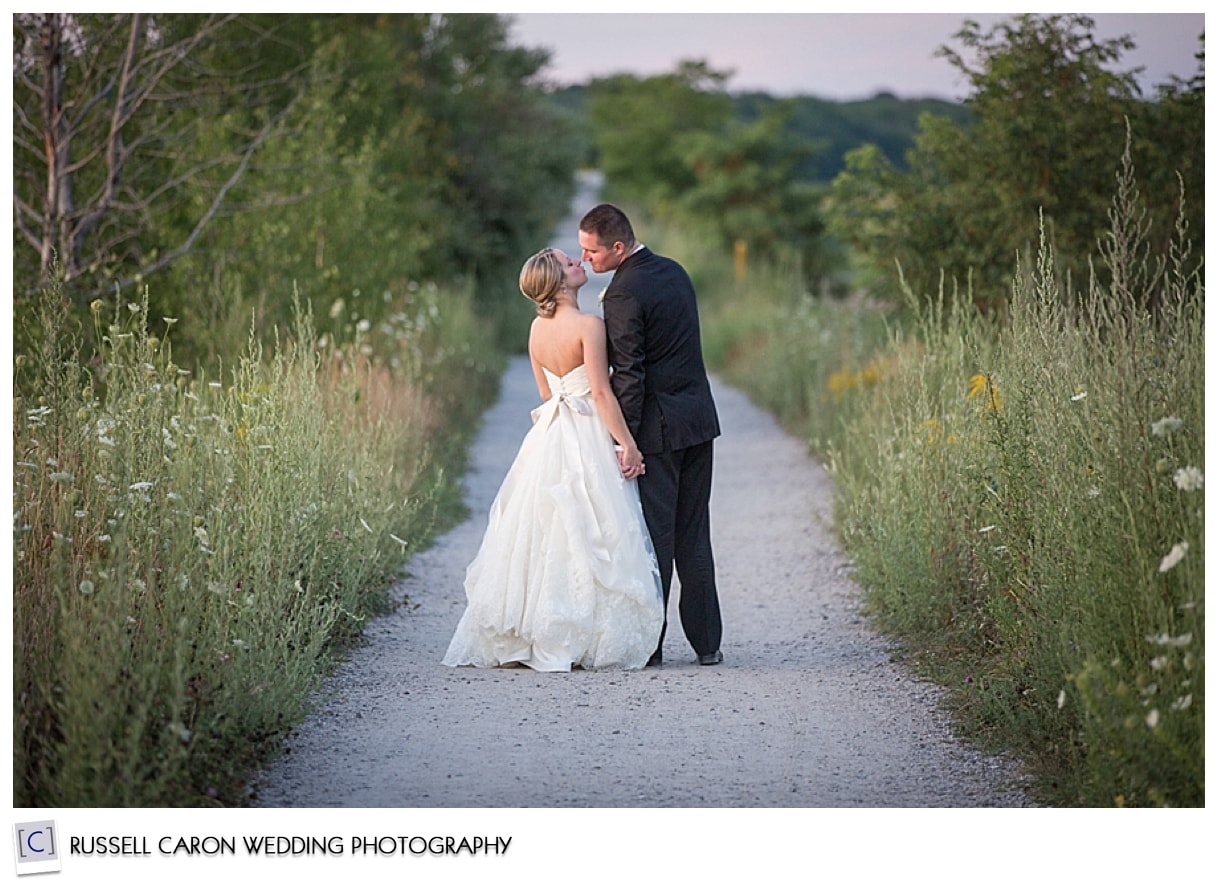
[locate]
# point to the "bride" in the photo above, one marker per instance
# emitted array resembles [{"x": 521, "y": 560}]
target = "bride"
[{"x": 566, "y": 575}]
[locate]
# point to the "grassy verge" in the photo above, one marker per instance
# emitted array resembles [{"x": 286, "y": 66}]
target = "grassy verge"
[
  {"x": 1022, "y": 498},
  {"x": 191, "y": 550}
]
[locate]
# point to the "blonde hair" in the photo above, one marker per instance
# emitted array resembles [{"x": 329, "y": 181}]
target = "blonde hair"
[{"x": 541, "y": 279}]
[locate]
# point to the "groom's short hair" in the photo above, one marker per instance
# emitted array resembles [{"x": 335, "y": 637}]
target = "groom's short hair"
[{"x": 609, "y": 224}]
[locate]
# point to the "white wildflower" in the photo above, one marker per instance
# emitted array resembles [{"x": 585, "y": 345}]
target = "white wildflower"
[
  {"x": 1182, "y": 703},
  {"x": 181, "y": 731},
  {"x": 140, "y": 486},
  {"x": 1173, "y": 557},
  {"x": 1152, "y": 718},
  {"x": 1168, "y": 640},
  {"x": 86, "y": 586},
  {"x": 1159, "y": 662},
  {"x": 1189, "y": 478},
  {"x": 1079, "y": 396},
  {"x": 240, "y": 644},
  {"x": 1166, "y": 426}
]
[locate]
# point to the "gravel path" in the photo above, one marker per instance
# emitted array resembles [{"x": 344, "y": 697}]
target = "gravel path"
[{"x": 807, "y": 709}]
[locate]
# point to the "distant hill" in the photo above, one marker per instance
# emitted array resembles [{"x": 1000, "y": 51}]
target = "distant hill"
[{"x": 834, "y": 127}]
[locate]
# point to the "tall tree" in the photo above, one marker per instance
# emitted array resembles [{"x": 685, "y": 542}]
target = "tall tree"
[
  {"x": 1049, "y": 129},
  {"x": 641, "y": 125},
  {"x": 104, "y": 107}
]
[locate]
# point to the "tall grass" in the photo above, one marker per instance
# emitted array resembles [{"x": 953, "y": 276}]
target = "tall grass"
[
  {"x": 1022, "y": 497},
  {"x": 191, "y": 549}
]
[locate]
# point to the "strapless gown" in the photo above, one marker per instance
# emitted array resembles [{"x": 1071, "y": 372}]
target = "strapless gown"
[{"x": 566, "y": 575}]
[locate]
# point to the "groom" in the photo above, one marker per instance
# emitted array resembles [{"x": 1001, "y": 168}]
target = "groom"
[{"x": 655, "y": 351}]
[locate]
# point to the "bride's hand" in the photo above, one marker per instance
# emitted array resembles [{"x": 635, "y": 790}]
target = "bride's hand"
[{"x": 630, "y": 461}]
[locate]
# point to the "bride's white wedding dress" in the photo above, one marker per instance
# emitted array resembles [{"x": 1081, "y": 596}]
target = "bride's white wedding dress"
[{"x": 566, "y": 575}]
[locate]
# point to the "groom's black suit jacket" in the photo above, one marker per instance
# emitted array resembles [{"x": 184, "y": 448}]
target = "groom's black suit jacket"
[{"x": 655, "y": 350}]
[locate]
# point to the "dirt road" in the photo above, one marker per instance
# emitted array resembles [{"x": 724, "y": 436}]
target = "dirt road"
[{"x": 806, "y": 710}]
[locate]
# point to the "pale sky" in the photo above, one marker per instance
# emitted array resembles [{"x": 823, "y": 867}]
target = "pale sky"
[{"x": 835, "y": 56}]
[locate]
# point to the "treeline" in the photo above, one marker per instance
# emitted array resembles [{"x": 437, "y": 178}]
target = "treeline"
[{"x": 876, "y": 192}]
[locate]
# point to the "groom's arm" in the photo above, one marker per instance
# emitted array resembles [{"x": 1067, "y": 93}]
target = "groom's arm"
[{"x": 624, "y": 329}]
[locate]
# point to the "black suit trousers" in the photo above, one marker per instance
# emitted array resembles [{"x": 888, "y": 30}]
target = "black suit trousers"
[{"x": 675, "y": 494}]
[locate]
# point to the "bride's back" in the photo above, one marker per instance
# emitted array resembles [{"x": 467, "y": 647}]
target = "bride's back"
[{"x": 557, "y": 342}]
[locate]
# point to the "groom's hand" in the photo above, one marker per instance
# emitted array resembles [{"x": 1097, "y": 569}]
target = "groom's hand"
[{"x": 630, "y": 463}]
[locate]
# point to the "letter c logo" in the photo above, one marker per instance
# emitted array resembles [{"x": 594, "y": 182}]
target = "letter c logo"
[{"x": 29, "y": 841}]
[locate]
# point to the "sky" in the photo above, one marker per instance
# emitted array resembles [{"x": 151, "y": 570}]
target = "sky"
[{"x": 840, "y": 57}]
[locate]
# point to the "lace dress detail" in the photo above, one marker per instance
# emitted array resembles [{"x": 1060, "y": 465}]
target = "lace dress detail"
[{"x": 566, "y": 575}]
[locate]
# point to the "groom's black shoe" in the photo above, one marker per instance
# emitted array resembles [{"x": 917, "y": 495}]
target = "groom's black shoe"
[
  {"x": 657, "y": 659},
  {"x": 711, "y": 658}
]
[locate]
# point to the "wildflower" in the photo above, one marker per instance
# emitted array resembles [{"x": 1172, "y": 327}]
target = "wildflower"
[
  {"x": 1152, "y": 718},
  {"x": 140, "y": 486},
  {"x": 363, "y": 326},
  {"x": 1158, "y": 663},
  {"x": 133, "y": 307},
  {"x": 983, "y": 385},
  {"x": 1189, "y": 478},
  {"x": 181, "y": 731},
  {"x": 1168, "y": 640},
  {"x": 1079, "y": 396},
  {"x": 1182, "y": 703},
  {"x": 201, "y": 535},
  {"x": 96, "y": 306},
  {"x": 86, "y": 586},
  {"x": 337, "y": 307},
  {"x": 1093, "y": 492},
  {"x": 169, "y": 321},
  {"x": 1173, "y": 557},
  {"x": 240, "y": 644},
  {"x": 1166, "y": 426}
]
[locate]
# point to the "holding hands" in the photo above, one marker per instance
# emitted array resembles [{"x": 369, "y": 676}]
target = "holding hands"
[{"x": 630, "y": 461}]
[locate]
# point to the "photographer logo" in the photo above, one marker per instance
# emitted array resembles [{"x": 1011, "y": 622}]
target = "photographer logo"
[{"x": 36, "y": 847}]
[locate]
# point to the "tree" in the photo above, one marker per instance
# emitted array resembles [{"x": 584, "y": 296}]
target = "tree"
[
  {"x": 743, "y": 186},
  {"x": 640, "y": 127},
  {"x": 104, "y": 109},
  {"x": 1046, "y": 141}
]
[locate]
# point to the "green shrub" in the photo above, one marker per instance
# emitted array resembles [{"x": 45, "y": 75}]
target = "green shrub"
[
  {"x": 1021, "y": 494},
  {"x": 191, "y": 550}
]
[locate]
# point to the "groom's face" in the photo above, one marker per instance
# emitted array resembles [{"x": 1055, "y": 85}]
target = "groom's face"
[{"x": 601, "y": 258}]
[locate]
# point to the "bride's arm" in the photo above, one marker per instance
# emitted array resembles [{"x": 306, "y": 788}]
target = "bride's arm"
[{"x": 596, "y": 362}]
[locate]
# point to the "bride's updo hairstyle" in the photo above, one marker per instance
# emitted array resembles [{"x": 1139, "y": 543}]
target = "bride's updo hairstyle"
[{"x": 541, "y": 279}]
